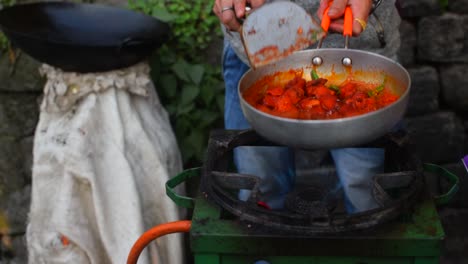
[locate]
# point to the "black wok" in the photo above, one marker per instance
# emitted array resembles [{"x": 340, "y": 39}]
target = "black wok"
[{"x": 82, "y": 37}]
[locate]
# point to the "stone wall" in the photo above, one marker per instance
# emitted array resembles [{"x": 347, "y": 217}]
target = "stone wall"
[
  {"x": 20, "y": 91},
  {"x": 434, "y": 50}
]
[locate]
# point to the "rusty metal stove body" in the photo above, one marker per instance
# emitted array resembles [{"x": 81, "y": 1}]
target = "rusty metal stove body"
[{"x": 406, "y": 229}]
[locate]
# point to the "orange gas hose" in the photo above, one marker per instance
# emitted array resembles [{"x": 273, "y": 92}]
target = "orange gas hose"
[{"x": 155, "y": 232}]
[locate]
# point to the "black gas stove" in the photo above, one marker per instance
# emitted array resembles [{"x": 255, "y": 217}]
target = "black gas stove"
[{"x": 404, "y": 229}]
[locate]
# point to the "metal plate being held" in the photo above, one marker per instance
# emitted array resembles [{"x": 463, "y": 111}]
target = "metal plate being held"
[{"x": 276, "y": 30}]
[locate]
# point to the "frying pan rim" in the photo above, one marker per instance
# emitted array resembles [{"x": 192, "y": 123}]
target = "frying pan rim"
[{"x": 333, "y": 120}]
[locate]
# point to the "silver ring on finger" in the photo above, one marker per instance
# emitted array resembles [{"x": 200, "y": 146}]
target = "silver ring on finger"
[{"x": 227, "y": 8}]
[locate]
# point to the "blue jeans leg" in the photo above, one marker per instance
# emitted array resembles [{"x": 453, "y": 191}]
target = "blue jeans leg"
[
  {"x": 273, "y": 165},
  {"x": 355, "y": 169}
]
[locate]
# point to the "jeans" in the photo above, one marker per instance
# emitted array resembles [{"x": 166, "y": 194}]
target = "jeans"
[{"x": 275, "y": 165}]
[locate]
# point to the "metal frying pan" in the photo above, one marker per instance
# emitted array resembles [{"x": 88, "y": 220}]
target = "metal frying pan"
[
  {"x": 331, "y": 133},
  {"x": 82, "y": 37}
]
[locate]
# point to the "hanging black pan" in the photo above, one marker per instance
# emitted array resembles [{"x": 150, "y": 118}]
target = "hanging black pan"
[{"x": 82, "y": 37}]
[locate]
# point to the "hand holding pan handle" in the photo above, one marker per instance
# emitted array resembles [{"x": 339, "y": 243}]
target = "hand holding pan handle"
[
  {"x": 347, "y": 33},
  {"x": 348, "y": 24}
]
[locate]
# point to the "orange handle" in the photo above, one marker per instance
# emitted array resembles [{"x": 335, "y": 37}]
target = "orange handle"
[
  {"x": 155, "y": 232},
  {"x": 326, "y": 19},
  {"x": 348, "y": 20}
]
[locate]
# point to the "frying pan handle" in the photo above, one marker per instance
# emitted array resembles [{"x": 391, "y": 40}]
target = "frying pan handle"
[
  {"x": 347, "y": 33},
  {"x": 326, "y": 19},
  {"x": 348, "y": 22}
]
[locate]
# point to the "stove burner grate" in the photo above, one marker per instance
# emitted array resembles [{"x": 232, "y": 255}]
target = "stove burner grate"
[
  {"x": 396, "y": 190},
  {"x": 312, "y": 201}
]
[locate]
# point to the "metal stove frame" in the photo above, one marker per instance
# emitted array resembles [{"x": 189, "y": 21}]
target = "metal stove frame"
[
  {"x": 218, "y": 238},
  {"x": 217, "y": 184},
  {"x": 406, "y": 230}
]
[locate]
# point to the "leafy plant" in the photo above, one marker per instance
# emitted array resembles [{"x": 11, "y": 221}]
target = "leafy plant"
[
  {"x": 193, "y": 96},
  {"x": 4, "y": 42},
  {"x": 189, "y": 87},
  {"x": 193, "y": 24},
  {"x": 444, "y": 3},
  {"x": 6, "y": 3}
]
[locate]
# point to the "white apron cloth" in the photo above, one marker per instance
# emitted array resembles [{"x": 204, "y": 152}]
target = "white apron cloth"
[{"x": 103, "y": 151}]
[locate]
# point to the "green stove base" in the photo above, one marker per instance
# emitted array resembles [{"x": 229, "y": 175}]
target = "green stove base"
[
  {"x": 227, "y": 259},
  {"x": 415, "y": 238}
]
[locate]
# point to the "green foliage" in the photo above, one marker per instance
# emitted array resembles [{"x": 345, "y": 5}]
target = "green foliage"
[
  {"x": 193, "y": 23},
  {"x": 4, "y": 42},
  {"x": 191, "y": 90},
  {"x": 193, "y": 96},
  {"x": 444, "y": 3},
  {"x": 6, "y": 3}
]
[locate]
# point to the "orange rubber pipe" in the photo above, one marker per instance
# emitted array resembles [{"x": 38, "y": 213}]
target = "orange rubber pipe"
[{"x": 155, "y": 232}]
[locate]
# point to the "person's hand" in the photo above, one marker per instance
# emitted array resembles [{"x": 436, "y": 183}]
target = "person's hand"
[
  {"x": 229, "y": 11},
  {"x": 360, "y": 8}
]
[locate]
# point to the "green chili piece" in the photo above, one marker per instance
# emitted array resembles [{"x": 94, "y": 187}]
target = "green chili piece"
[
  {"x": 335, "y": 88},
  {"x": 380, "y": 88},
  {"x": 314, "y": 75},
  {"x": 377, "y": 89}
]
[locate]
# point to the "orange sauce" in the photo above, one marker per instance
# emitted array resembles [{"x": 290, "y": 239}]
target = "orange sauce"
[{"x": 288, "y": 94}]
